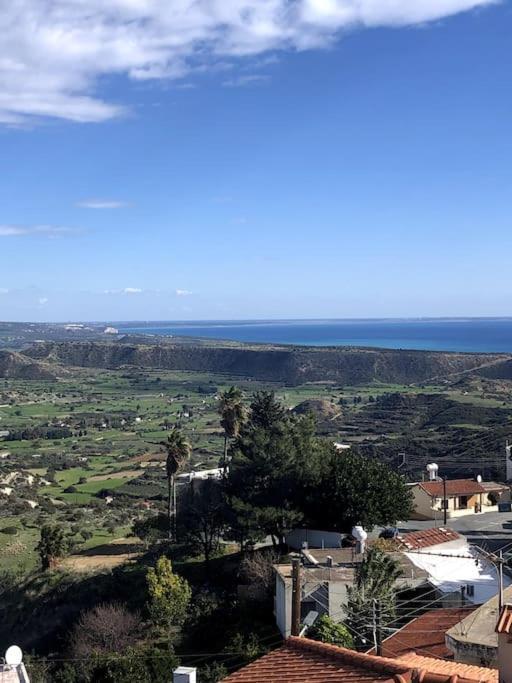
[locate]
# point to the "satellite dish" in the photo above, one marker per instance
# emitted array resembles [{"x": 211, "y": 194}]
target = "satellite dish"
[
  {"x": 479, "y": 478},
  {"x": 13, "y": 656}
]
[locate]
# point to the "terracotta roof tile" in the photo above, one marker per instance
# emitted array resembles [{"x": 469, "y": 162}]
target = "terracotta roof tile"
[
  {"x": 301, "y": 660},
  {"x": 464, "y": 672},
  {"x": 415, "y": 540},
  {"x": 505, "y": 621},
  {"x": 426, "y": 633},
  {"x": 454, "y": 487}
]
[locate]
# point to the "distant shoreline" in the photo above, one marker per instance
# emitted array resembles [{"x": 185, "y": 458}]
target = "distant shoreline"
[{"x": 463, "y": 335}]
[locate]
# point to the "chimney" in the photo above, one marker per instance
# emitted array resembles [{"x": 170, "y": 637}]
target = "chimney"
[
  {"x": 504, "y": 631},
  {"x": 328, "y": 561},
  {"x": 184, "y": 674}
]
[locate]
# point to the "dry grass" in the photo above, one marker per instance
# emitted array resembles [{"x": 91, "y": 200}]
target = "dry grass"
[{"x": 104, "y": 557}]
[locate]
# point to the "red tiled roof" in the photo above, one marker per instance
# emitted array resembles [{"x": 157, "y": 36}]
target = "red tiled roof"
[
  {"x": 425, "y": 634},
  {"x": 301, "y": 660},
  {"x": 454, "y": 487},
  {"x": 416, "y": 540},
  {"x": 505, "y": 621},
  {"x": 459, "y": 672}
]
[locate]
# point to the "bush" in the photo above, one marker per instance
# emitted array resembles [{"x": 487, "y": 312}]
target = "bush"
[
  {"x": 10, "y": 530},
  {"x": 71, "y": 489},
  {"x": 327, "y": 630}
]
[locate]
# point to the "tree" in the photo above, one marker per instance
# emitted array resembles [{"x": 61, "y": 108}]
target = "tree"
[
  {"x": 168, "y": 596},
  {"x": 352, "y": 489},
  {"x": 202, "y": 516},
  {"x": 271, "y": 457},
  {"x": 151, "y": 529},
  {"x": 373, "y": 588},
  {"x": 232, "y": 412},
  {"x": 178, "y": 450},
  {"x": 52, "y": 546},
  {"x": 212, "y": 673},
  {"x": 257, "y": 569},
  {"x": 264, "y": 482},
  {"x": 327, "y": 630},
  {"x": 105, "y": 629}
]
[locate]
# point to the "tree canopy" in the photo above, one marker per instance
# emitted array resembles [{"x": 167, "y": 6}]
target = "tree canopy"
[
  {"x": 282, "y": 475},
  {"x": 169, "y": 595}
]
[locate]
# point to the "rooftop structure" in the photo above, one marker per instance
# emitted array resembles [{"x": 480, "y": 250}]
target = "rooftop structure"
[
  {"x": 427, "y": 538},
  {"x": 453, "y": 671},
  {"x": 326, "y": 574},
  {"x": 463, "y": 497},
  {"x": 474, "y": 639},
  {"x": 301, "y": 660},
  {"x": 425, "y": 634}
]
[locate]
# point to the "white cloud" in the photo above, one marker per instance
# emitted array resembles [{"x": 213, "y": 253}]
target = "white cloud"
[
  {"x": 183, "y": 292},
  {"x": 53, "y": 53},
  {"x": 124, "y": 290},
  {"x": 50, "y": 231},
  {"x": 4, "y": 290},
  {"x": 247, "y": 79},
  {"x": 101, "y": 204},
  {"x": 43, "y": 301}
]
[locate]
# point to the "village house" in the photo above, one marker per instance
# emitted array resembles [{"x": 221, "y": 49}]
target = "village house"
[
  {"x": 301, "y": 659},
  {"x": 439, "y": 559},
  {"x": 326, "y": 574},
  {"x": 463, "y": 497},
  {"x": 474, "y": 639},
  {"x": 457, "y": 571},
  {"x": 426, "y": 633}
]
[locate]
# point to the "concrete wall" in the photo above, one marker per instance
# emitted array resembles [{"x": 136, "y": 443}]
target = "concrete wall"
[
  {"x": 315, "y": 538},
  {"x": 283, "y": 605},
  {"x": 471, "y": 653},
  {"x": 337, "y": 600},
  {"x": 505, "y": 658}
]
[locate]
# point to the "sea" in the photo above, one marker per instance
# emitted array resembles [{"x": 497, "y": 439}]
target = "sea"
[{"x": 482, "y": 335}]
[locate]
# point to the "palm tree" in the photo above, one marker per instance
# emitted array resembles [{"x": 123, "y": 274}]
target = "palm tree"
[
  {"x": 232, "y": 415},
  {"x": 178, "y": 451}
]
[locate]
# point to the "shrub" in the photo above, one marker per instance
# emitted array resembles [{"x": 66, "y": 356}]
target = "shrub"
[
  {"x": 10, "y": 530},
  {"x": 327, "y": 630}
]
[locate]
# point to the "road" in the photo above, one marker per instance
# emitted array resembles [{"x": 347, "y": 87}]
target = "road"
[{"x": 490, "y": 530}]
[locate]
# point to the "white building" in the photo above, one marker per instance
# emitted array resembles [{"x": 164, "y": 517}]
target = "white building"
[{"x": 456, "y": 569}]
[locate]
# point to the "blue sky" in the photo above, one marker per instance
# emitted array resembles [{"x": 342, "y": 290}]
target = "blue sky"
[{"x": 347, "y": 160}]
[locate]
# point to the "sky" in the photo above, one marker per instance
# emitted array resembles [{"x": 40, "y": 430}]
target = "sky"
[{"x": 255, "y": 159}]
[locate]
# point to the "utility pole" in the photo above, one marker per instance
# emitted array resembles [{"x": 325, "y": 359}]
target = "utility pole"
[
  {"x": 445, "y": 502},
  {"x": 377, "y": 630},
  {"x": 296, "y": 596},
  {"x": 500, "y": 577}
]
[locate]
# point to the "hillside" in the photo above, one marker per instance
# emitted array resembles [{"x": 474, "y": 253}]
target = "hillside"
[
  {"x": 288, "y": 365},
  {"x": 15, "y": 365}
]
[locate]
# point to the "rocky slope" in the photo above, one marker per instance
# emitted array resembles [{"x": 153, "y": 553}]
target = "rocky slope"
[
  {"x": 15, "y": 365},
  {"x": 289, "y": 365}
]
